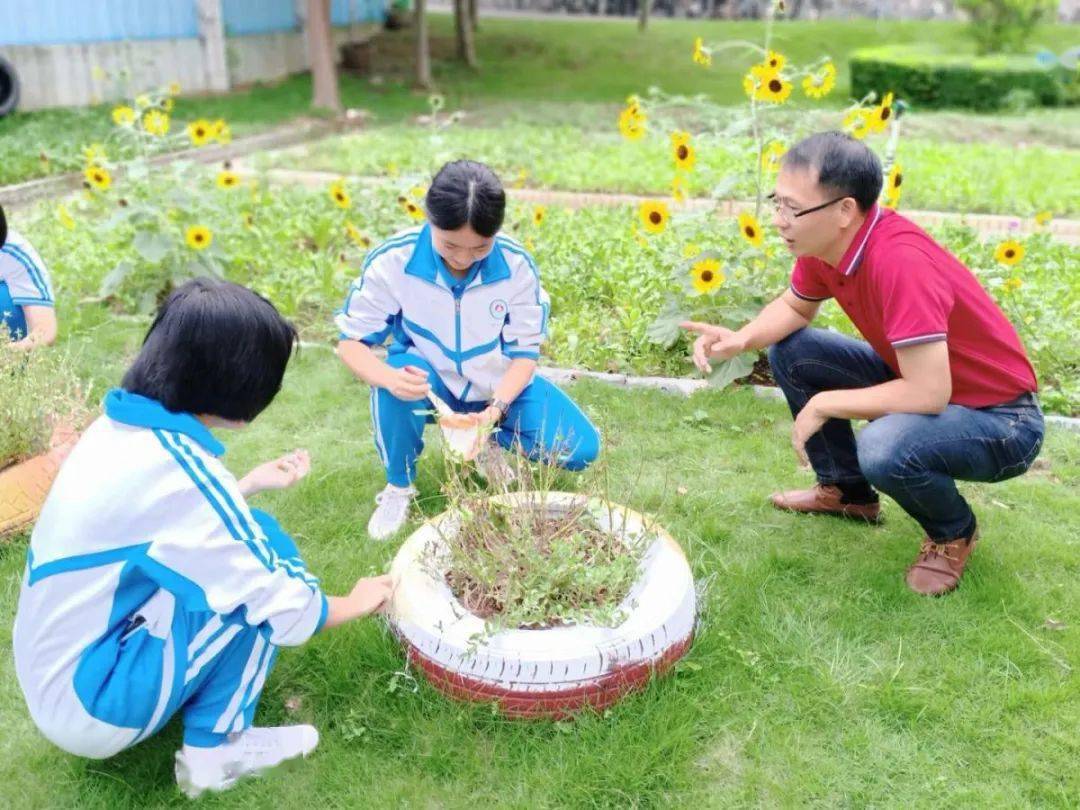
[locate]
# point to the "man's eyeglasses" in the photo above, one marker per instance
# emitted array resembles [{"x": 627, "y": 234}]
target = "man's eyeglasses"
[{"x": 787, "y": 213}]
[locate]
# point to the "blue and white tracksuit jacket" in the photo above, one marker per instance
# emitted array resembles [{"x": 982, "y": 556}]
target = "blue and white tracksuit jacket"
[
  {"x": 465, "y": 333},
  {"x": 151, "y": 589},
  {"x": 24, "y": 281}
]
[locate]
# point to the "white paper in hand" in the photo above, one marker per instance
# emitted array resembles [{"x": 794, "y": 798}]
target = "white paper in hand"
[{"x": 461, "y": 436}]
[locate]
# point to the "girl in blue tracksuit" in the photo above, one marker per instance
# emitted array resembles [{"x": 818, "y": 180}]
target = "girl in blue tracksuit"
[
  {"x": 467, "y": 314},
  {"x": 27, "y": 316},
  {"x": 151, "y": 588}
]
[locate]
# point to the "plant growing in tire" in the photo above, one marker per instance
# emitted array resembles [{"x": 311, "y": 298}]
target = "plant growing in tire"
[{"x": 542, "y": 602}]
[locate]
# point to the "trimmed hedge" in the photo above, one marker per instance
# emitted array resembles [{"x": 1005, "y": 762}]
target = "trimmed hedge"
[{"x": 952, "y": 80}]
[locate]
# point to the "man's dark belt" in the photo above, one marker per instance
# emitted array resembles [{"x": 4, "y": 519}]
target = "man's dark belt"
[{"x": 1028, "y": 400}]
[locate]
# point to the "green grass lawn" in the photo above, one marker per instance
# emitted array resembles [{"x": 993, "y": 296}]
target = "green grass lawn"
[
  {"x": 816, "y": 678},
  {"x": 525, "y": 62}
]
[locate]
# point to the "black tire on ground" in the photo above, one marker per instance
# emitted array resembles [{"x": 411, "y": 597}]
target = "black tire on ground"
[{"x": 9, "y": 87}]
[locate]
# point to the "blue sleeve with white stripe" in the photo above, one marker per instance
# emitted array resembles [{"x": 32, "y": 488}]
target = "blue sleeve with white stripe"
[
  {"x": 526, "y": 322},
  {"x": 214, "y": 553},
  {"x": 370, "y": 307},
  {"x": 25, "y": 273}
]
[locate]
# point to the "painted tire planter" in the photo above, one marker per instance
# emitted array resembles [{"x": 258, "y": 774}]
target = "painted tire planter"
[
  {"x": 24, "y": 486},
  {"x": 551, "y": 672}
]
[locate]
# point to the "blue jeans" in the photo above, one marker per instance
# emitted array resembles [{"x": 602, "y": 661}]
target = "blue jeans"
[{"x": 914, "y": 458}]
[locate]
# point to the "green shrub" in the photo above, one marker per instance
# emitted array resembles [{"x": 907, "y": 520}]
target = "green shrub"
[
  {"x": 37, "y": 390},
  {"x": 1004, "y": 25},
  {"x": 928, "y": 79}
]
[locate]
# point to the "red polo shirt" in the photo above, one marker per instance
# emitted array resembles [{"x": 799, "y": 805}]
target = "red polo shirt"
[{"x": 901, "y": 288}]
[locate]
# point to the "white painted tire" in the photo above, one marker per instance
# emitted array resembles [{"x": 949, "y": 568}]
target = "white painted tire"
[{"x": 551, "y": 672}]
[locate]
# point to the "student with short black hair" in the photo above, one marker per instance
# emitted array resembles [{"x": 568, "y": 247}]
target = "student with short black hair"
[
  {"x": 942, "y": 375},
  {"x": 27, "y": 313},
  {"x": 151, "y": 588},
  {"x": 467, "y": 313}
]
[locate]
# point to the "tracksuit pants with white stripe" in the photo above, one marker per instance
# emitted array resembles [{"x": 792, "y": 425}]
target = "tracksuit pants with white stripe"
[
  {"x": 225, "y": 666},
  {"x": 542, "y": 421}
]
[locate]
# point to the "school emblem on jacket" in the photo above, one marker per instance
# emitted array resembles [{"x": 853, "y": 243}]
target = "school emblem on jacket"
[{"x": 498, "y": 309}]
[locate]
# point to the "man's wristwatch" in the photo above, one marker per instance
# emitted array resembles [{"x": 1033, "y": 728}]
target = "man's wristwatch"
[{"x": 502, "y": 407}]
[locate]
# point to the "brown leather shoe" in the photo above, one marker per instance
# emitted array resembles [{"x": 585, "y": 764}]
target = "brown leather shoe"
[
  {"x": 939, "y": 566},
  {"x": 825, "y": 499}
]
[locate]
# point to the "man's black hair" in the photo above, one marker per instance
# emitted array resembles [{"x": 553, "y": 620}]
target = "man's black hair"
[{"x": 843, "y": 165}]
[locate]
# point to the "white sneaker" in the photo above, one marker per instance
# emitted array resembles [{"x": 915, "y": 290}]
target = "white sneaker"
[
  {"x": 391, "y": 512},
  {"x": 493, "y": 464},
  {"x": 247, "y": 753}
]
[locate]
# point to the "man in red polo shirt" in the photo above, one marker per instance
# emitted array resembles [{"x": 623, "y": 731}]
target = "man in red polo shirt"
[{"x": 942, "y": 375}]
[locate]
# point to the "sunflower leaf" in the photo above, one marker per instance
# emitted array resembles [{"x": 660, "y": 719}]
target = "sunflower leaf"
[
  {"x": 665, "y": 329},
  {"x": 726, "y": 185},
  {"x": 111, "y": 283},
  {"x": 152, "y": 245},
  {"x": 728, "y": 371}
]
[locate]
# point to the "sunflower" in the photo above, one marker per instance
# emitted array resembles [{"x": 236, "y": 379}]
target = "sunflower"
[
  {"x": 679, "y": 137},
  {"x": 200, "y": 132},
  {"x": 632, "y": 123},
  {"x": 357, "y": 236},
  {"x": 881, "y": 115},
  {"x": 339, "y": 195},
  {"x": 1009, "y": 252},
  {"x": 750, "y": 229},
  {"x": 706, "y": 275},
  {"x": 892, "y": 198},
  {"x": 156, "y": 123},
  {"x": 539, "y": 214},
  {"x": 529, "y": 244},
  {"x": 820, "y": 84},
  {"x": 702, "y": 55},
  {"x": 220, "y": 131},
  {"x": 684, "y": 156},
  {"x": 895, "y": 179},
  {"x": 227, "y": 179},
  {"x": 167, "y": 104},
  {"x": 1042, "y": 219},
  {"x": 198, "y": 237},
  {"x": 173, "y": 89},
  {"x": 249, "y": 220},
  {"x": 654, "y": 215},
  {"x": 94, "y": 153},
  {"x": 690, "y": 250},
  {"x": 123, "y": 116},
  {"x": 678, "y": 188},
  {"x": 142, "y": 101},
  {"x": 857, "y": 123},
  {"x": 412, "y": 209},
  {"x": 773, "y": 88},
  {"x": 774, "y": 61},
  {"x": 749, "y": 84},
  {"x": 522, "y": 176},
  {"x": 770, "y": 156},
  {"x": 1012, "y": 284},
  {"x": 64, "y": 217},
  {"x": 98, "y": 177}
]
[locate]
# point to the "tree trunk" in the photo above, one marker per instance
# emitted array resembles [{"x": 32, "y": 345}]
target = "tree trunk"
[
  {"x": 474, "y": 16},
  {"x": 465, "y": 42},
  {"x": 643, "y": 14},
  {"x": 423, "y": 52},
  {"x": 321, "y": 52}
]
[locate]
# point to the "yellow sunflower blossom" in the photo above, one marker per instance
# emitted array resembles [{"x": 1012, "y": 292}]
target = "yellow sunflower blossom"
[
  {"x": 123, "y": 116},
  {"x": 519, "y": 181},
  {"x": 94, "y": 154},
  {"x": 770, "y": 156},
  {"x": 156, "y": 123},
  {"x": 690, "y": 250},
  {"x": 857, "y": 123},
  {"x": 167, "y": 104},
  {"x": 679, "y": 137},
  {"x": 1012, "y": 284},
  {"x": 684, "y": 156},
  {"x": 750, "y": 229},
  {"x": 706, "y": 276},
  {"x": 774, "y": 61},
  {"x": 654, "y": 215},
  {"x": 881, "y": 115},
  {"x": 411, "y": 208},
  {"x": 339, "y": 195},
  {"x": 98, "y": 177},
  {"x": 1042, "y": 219},
  {"x": 1009, "y": 252},
  {"x": 821, "y": 83},
  {"x": 200, "y": 132},
  {"x": 892, "y": 198},
  {"x": 249, "y": 220},
  {"x": 773, "y": 88},
  {"x": 220, "y": 132},
  {"x": 228, "y": 179},
  {"x": 702, "y": 55},
  {"x": 64, "y": 217},
  {"x": 678, "y": 188},
  {"x": 892, "y": 186},
  {"x": 632, "y": 123},
  {"x": 198, "y": 237},
  {"x": 357, "y": 236},
  {"x": 529, "y": 244},
  {"x": 539, "y": 214},
  {"x": 419, "y": 192},
  {"x": 142, "y": 101}
]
